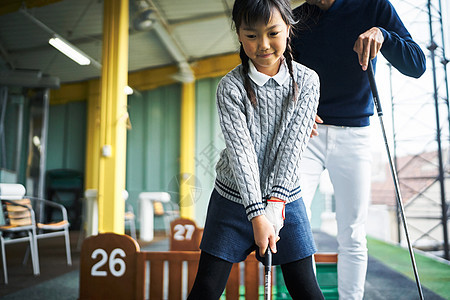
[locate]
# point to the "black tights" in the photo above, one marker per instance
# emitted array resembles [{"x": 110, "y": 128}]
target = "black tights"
[
  {"x": 211, "y": 279},
  {"x": 213, "y": 272},
  {"x": 300, "y": 279}
]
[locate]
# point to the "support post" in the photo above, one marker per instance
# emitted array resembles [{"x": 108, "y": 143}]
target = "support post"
[
  {"x": 113, "y": 117},
  {"x": 92, "y": 136},
  {"x": 187, "y": 151},
  {"x": 444, "y": 219}
]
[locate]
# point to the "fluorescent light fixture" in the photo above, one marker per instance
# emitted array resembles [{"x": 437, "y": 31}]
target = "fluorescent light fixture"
[{"x": 69, "y": 50}]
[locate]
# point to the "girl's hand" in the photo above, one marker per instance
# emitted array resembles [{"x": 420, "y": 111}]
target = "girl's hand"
[
  {"x": 264, "y": 234},
  {"x": 275, "y": 213},
  {"x": 314, "y": 131}
]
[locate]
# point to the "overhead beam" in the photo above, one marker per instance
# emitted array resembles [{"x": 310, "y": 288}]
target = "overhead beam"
[{"x": 149, "y": 79}]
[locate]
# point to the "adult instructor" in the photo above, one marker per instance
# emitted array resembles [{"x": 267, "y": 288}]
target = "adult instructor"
[{"x": 337, "y": 41}]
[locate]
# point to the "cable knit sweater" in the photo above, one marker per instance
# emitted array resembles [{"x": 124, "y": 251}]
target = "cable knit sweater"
[{"x": 264, "y": 143}]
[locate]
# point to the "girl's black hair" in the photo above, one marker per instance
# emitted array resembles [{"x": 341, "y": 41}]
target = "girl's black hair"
[{"x": 253, "y": 11}]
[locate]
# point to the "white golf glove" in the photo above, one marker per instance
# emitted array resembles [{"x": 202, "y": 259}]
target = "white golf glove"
[{"x": 275, "y": 213}]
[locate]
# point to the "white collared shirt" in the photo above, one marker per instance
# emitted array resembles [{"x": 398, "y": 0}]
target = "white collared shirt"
[{"x": 261, "y": 79}]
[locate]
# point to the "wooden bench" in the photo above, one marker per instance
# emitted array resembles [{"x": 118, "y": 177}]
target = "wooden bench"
[
  {"x": 182, "y": 269},
  {"x": 113, "y": 267}
]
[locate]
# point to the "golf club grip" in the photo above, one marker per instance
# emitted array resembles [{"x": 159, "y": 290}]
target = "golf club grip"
[
  {"x": 373, "y": 88},
  {"x": 267, "y": 260},
  {"x": 268, "y": 275}
]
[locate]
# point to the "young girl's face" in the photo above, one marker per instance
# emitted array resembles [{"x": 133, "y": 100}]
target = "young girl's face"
[{"x": 264, "y": 43}]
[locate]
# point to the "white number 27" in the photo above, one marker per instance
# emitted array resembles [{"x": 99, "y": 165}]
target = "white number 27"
[{"x": 183, "y": 232}]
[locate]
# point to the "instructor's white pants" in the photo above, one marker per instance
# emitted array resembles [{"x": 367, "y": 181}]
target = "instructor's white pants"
[{"x": 346, "y": 153}]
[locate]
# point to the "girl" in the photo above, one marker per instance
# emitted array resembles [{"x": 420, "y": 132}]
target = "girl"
[{"x": 266, "y": 109}]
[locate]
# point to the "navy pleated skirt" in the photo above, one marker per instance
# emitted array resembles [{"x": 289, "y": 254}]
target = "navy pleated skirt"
[{"x": 229, "y": 235}]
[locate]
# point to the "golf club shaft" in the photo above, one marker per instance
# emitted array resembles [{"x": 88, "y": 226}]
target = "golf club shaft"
[
  {"x": 376, "y": 100},
  {"x": 268, "y": 275}
]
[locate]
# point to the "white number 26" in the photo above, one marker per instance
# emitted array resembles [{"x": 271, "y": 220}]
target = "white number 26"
[{"x": 113, "y": 262}]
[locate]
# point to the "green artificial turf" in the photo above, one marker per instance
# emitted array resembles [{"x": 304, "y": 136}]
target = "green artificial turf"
[
  {"x": 326, "y": 276},
  {"x": 433, "y": 274}
]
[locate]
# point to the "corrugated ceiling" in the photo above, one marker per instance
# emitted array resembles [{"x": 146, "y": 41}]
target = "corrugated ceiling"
[{"x": 199, "y": 28}]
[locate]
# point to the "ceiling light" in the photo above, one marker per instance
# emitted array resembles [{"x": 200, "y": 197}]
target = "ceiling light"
[
  {"x": 69, "y": 50},
  {"x": 144, "y": 20}
]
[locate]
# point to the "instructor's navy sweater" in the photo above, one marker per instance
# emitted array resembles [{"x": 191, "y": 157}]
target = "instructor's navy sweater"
[{"x": 325, "y": 44}]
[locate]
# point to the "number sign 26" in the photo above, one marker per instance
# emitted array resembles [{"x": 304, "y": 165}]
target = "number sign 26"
[
  {"x": 108, "y": 267},
  {"x": 113, "y": 262}
]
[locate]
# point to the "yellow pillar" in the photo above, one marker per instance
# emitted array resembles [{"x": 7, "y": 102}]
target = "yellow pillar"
[
  {"x": 187, "y": 151},
  {"x": 113, "y": 117},
  {"x": 93, "y": 136}
]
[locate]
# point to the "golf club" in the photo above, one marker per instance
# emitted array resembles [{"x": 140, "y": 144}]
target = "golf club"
[
  {"x": 376, "y": 100},
  {"x": 268, "y": 275}
]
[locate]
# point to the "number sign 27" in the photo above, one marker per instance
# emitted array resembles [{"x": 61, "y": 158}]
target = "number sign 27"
[
  {"x": 183, "y": 232},
  {"x": 185, "y": 235}
]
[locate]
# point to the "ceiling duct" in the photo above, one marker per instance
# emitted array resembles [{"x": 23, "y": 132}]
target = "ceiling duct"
[
  {"x": 185, "y": 73},
  {"x": 28, "y": 78}
]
